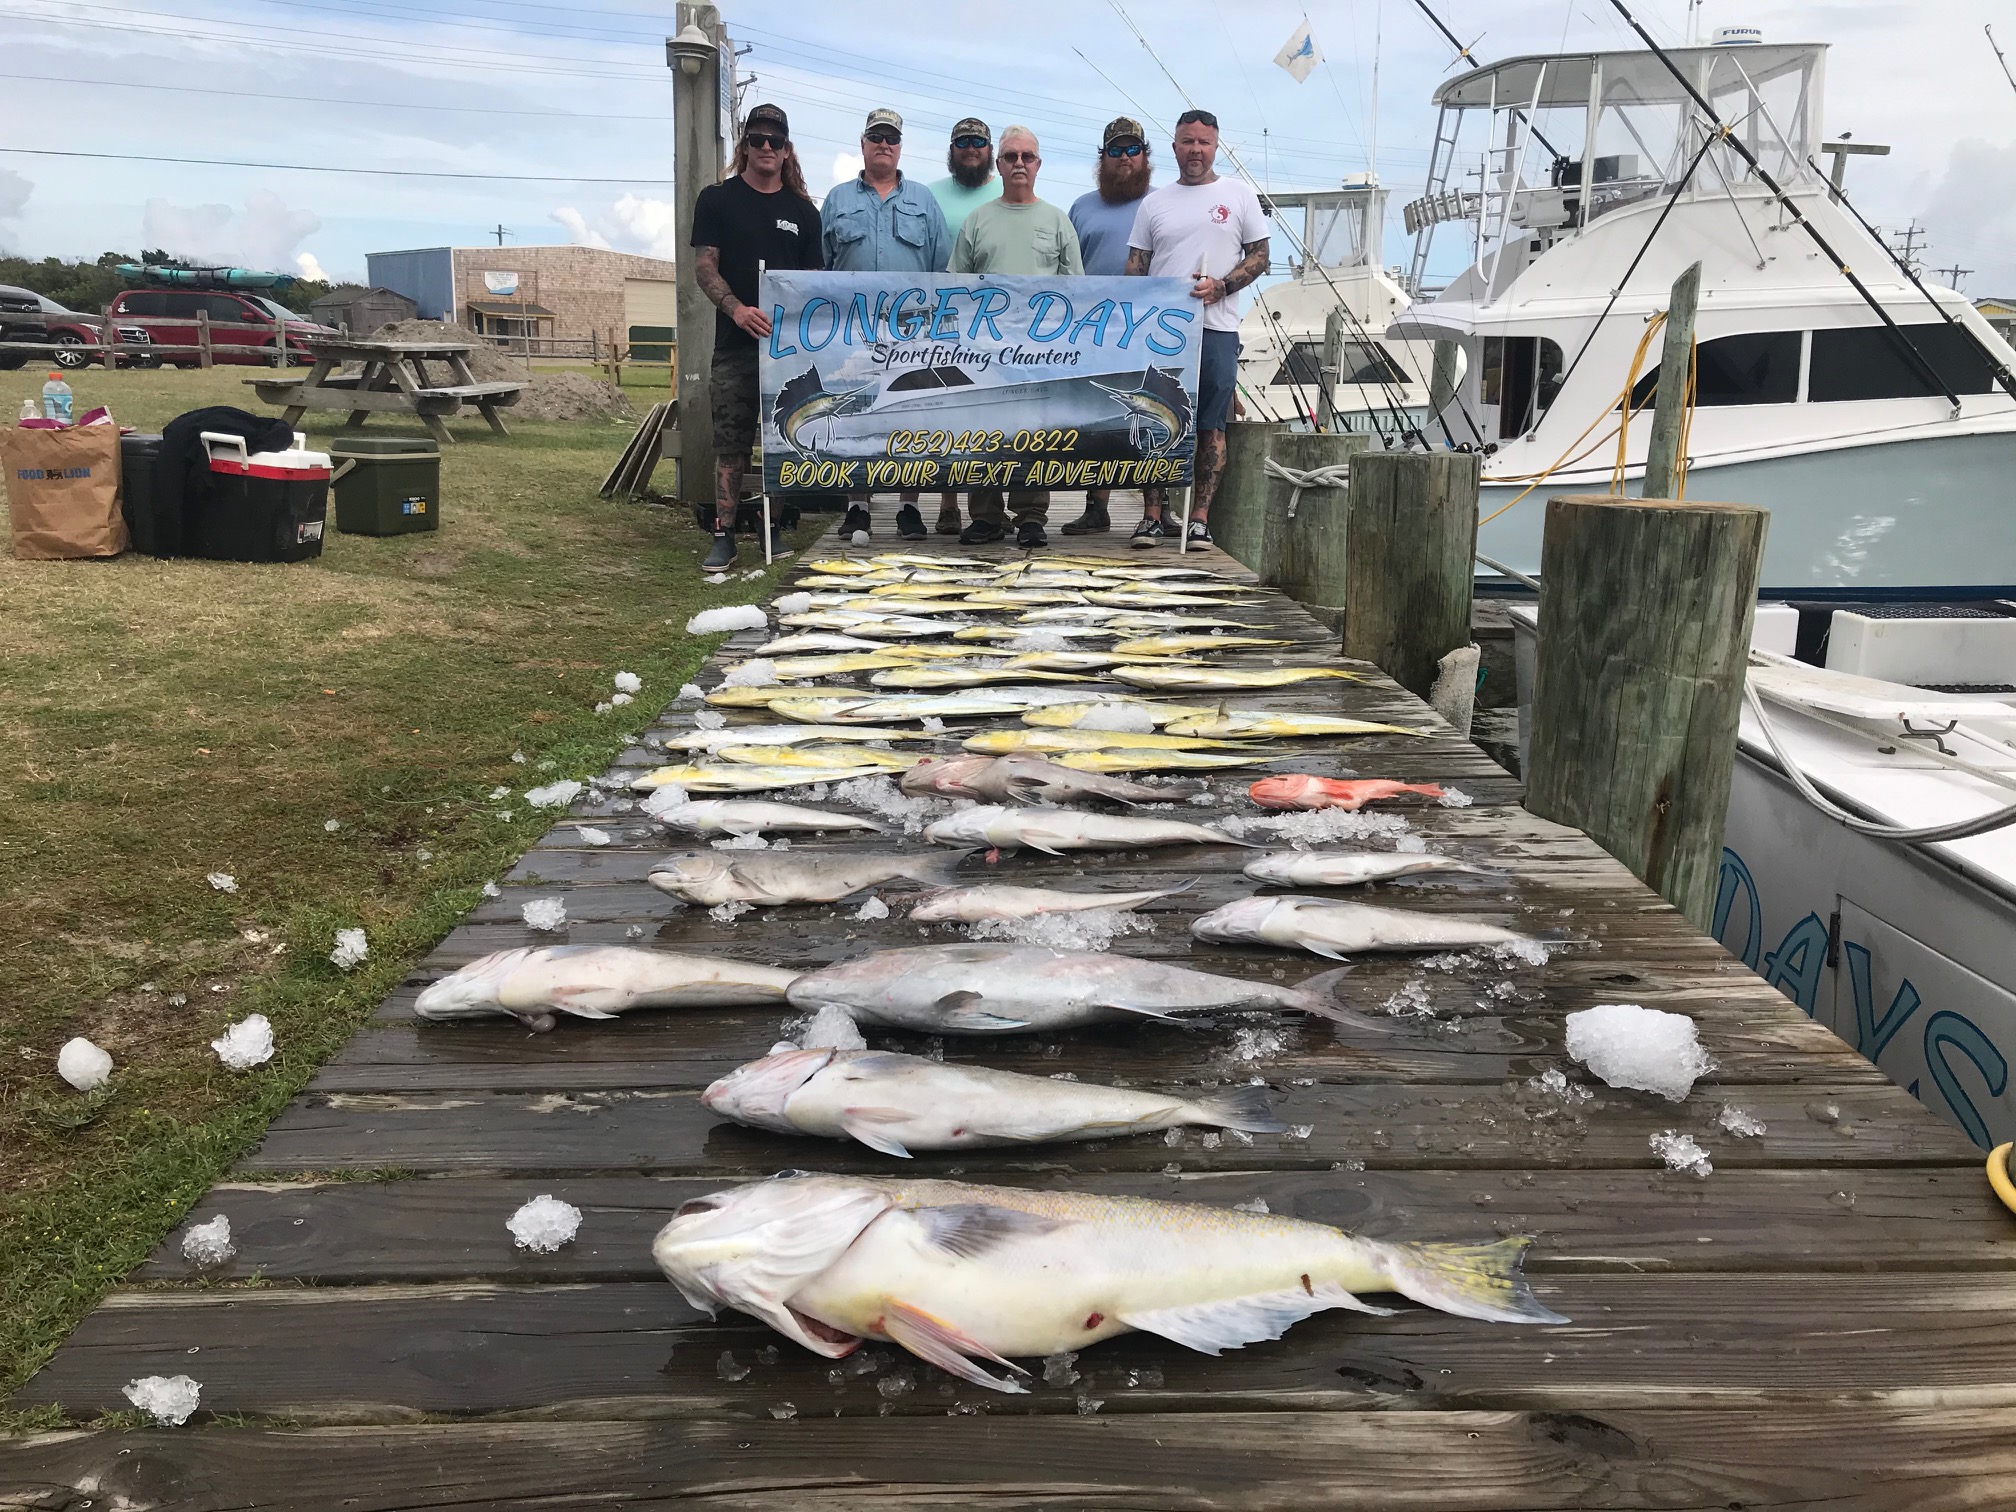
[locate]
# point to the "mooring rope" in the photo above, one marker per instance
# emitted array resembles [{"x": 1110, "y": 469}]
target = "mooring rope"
[{"x": 1335, "y": 475}]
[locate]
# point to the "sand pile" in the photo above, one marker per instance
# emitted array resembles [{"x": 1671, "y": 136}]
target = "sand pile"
[{"x": 549, "y": 395}]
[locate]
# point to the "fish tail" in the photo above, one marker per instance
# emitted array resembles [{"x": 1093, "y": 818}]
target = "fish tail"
[
  {"x": 1319, "y": 994},
  {"x": 937, "y": 870},
  {"x": 1484, "y": 1281},
  {"x": 1245, "y": 1108}
]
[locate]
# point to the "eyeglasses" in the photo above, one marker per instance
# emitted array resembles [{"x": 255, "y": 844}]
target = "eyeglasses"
[
  {"x": 883, "y": 137},
  {"x": 1127, "y": 149},
  {"x": 1197, "y": 118},
  {"x": 763, "y": 139},
  {"x": 968, "y": 142},
  {"x": 1019, "y": 157}
]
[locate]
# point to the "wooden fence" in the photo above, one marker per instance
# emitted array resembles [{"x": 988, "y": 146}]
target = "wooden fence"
[{"x": 110, "y": 348}]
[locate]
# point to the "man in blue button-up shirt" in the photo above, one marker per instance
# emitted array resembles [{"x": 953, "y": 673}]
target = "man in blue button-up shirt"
[{"x": 882, "y": 222}]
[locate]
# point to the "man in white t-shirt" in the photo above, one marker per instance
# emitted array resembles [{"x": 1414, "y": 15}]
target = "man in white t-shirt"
[{"x": 1211, "y": 230}]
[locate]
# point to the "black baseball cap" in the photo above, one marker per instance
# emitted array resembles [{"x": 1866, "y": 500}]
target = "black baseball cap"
[{"x": 767, "y": 115}]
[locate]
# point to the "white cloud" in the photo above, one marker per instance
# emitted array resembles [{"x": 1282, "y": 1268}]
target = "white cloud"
[
  {"x": 14, "y": 192},
  {"x": 579, "y": 232},
  {"x": 263, "y": 236},
  {"x": 1972, "y": 215},
  {"x": 846, "y": 165},
  {"x": 310, "y": 268}
]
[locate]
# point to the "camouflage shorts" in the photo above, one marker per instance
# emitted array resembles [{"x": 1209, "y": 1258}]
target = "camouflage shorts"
[{"x": 733, "y": 398}]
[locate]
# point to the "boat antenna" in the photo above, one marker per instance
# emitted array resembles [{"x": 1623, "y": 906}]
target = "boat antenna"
[
  {"x": 1998, "y": 56},
  {"x": 1406, "y": 431},
  {"x": 1723, "y": 133}
]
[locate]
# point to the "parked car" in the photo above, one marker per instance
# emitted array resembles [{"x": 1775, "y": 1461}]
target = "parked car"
[
  {"x": 244, "y": 328},
  {"x": 21, "y": 319},
  {"x": 74, "y": 332}
]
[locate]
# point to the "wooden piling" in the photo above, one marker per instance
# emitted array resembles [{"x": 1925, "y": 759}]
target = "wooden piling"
[
  {"x": 1676, "y": 362},
  {"x": 1645, "y": 614},
  {"x": 1304, "y": 556},
  {"x": 1239, "y": 513},
  {"x": 204, "y": 354},
  {"x": 1410, "y": 543}
]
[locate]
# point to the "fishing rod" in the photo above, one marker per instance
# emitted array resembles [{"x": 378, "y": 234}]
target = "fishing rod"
[
  {"x": 1998, "y": 56},
  {"x": 1406, "y": 430},
  {"x": 1724, "y": 133},
  {"x": 1464, "y": 55}
]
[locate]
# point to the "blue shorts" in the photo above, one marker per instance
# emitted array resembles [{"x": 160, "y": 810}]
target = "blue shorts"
[{"x": 1217, "y": 377}]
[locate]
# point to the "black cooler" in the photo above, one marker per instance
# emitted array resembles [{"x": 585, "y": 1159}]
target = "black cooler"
[
  {"x": 261, "y": 507},
  {"x": 139, "y": 465}
]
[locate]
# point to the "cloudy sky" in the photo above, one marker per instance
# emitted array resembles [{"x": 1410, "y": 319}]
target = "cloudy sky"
[{"x": 576, "y": 98}]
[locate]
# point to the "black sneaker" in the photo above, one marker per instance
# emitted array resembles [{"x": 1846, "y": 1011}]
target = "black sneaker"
[
  {"x": 1029, "y": 535},
  {"x": 1149, "y": 533},
  {"x": 1200, "y": 533},
  {"x": 948, "y": 521},
  {"x": 910, "y": 524},
  {"x": 1092, "y": 522},
  {"x": 981, "y": 533},
  {"x": 722, "y": 557},
  {"x": 856, "y": 523}
]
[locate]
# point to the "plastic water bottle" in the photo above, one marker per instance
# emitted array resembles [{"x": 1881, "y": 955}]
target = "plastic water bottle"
[
  {"x": 30, "y": 410},
  {"x": 57, "y": 400}
]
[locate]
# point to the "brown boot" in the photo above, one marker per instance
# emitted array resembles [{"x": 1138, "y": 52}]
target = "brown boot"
[
  {"x": 1092, "y": 522},
  {"x": 949, "y": 522}
]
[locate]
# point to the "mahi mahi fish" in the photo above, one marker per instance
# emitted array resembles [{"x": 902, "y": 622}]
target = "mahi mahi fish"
[
  {"x": 822, "y": 757},
  {"x": 1054, "y": 831},
  {"x": 1010, "y": 742},
  {"x": 1002, "y": 989},
  {"x": 1334, "y": 928},
  {"x": 956, "y": 1273},
  {"x": 970, "y": 905},
  {"x": 1249, "y": 722},
  {"x": 741, "y": 816},
  {"x": 1350, "y": 868},
  {"x": 781, "y": 735},
  {"x": 898, "y": 1103},
  {"x": 595, "y": 982},
  {"x": 711, "y": 877},
  {"x": 1159, "y": 646},
  {"x": 1200, "y": 679},
  {"x": 733, "y": 778}
]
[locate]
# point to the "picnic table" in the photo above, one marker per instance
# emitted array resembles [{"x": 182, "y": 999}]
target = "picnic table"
[{"x": 392, "y": 376}]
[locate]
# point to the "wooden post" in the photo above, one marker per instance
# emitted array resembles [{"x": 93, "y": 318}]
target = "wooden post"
[
  {"x": 1410, "y": 544},
  {"x": 1645, "y": 612},
  {"x": 1304, "y": 556},
  {"x": 1240, "y": 510},
  {"x": 1669, "y": 408},
  {"x": 203, "y": 352},
  {"x": 698, "y": 154},
  {"x": 594, "y": 346},
  {"x": 108, "y": 338}
]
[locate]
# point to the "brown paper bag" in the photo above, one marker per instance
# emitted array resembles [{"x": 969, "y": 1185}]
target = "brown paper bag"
[{"x": 63, "y": 491}]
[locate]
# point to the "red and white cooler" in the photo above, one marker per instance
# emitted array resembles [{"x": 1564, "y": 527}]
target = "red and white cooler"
[{"x": 261, "y": 506}]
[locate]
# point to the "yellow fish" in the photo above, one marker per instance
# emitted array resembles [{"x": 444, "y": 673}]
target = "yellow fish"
[
  {"x": 1235, "y": 722},
  {"x": 1016, "y": 598},
  {"x": 794, "y": 667},
  {"x": 816, "y": 756},
  {"x": 893, "y": 606},
  {"x": 1122, "y": 759},
  {"x": 1076, "y": 661},
  {"x": 843, "y": 566},
  {"x": 908, "y": 588},
  {"x": 746, "y": 779},
  {"x": 1012, "y": 633},
  {"x": 1008, "y": 742},
  {"x": 1180, "y": 645},
  {"x": 1070, "y": 715},
  {"x": 1187, "y": 679},
  {"x": 759, "y": 698},
  {"x": 965, "y": 677},
  {"x": 1124, "y": 598}
]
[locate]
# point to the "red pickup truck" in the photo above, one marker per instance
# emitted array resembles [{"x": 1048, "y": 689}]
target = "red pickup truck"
[{"x": 244, "y": 328}]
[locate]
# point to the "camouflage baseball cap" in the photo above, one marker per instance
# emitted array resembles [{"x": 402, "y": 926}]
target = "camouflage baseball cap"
[
  {"x": 1123, "y": 129},
  {"x": 972, "y": 126},
  {"x": 882, "y": 115}
]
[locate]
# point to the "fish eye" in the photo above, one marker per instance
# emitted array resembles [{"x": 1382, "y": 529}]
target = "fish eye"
[
  {"x": 697, "y": 1205},
  {"x": 792, "y": 1175}
]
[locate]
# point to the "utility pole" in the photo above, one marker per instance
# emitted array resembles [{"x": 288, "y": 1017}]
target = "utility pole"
[
  {"x": 702, "y": 107},
  {"x": 1908, "y": 243},
  {"x": 1952, "y": 276},
  {"x": 500, "y": 233}
]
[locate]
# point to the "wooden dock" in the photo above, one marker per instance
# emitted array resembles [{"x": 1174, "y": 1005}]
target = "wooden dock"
[{"x": 1828, "y": 1320}]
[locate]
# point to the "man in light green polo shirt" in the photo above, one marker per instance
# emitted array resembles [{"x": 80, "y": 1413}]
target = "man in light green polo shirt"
[{"x": 969, "y": 182}]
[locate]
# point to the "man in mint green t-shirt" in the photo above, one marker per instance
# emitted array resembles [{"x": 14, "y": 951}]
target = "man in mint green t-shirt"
[
  {"x": 1015, "y": 235},
  {"x": 969, "y": 182}
]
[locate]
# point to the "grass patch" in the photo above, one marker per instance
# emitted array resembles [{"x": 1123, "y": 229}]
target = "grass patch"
[{"x": 160, "y": 721}]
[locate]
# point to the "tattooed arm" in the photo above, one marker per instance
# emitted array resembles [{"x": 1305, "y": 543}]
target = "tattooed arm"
[
  {"x": 1248, "y": 268},
  {"x": 707, "y": 274}
]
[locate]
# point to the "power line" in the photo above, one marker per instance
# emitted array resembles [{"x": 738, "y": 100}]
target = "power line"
[
  {"x": 521, "y": 178},
  {"x": 299, "y": 99}
]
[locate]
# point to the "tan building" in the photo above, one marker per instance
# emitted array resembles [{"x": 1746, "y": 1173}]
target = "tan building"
[{"x": 565, "y": 293}]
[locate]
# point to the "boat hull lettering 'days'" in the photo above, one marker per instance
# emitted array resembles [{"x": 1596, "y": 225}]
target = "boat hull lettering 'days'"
[{"x": 1880, "y": 451}]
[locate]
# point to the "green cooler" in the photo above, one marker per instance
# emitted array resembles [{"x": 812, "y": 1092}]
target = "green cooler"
[{"x": 386, "y": 485}]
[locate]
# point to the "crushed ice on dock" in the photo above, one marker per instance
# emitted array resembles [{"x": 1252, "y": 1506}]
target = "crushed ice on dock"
[{"x": 1645, "y": 1049}]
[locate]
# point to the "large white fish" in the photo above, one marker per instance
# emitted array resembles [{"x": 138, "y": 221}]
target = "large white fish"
[
  {"x": 1349, "y": 868},
  {"x": 595, "y": 982},
  {"x": 742, "y": 816},
  {"x": 866, "y": 625},
  {"x": 969, "y": 905},
  {"x": 781, "y": 735},
  {"x": 915, "y": 676},
  {"x": 1003, "y": 989},
  {"x": 899, "y": 1103},
  {"x": 767, "y": 879},
  {"x": 1055, "y": 830},
  {"x": 816, "y": 640},
  {"x": 1337, "y": 929},
  {"x": 955, "y": 1273},
  {"x": 730, "y": 778}
]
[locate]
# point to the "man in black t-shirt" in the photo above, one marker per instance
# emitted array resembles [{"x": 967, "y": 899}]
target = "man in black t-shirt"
[{"x": 759, "y": 217}]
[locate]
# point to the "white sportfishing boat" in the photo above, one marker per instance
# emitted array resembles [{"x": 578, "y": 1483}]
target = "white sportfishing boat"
[
  {"x": 1883, "y": 455},
  {"x": 1380, "y": 386}
]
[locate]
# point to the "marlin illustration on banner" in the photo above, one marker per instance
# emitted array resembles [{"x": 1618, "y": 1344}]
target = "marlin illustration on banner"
[
  {"x": 804, "y": 402},
  {"x": 1158, "y": 411}
]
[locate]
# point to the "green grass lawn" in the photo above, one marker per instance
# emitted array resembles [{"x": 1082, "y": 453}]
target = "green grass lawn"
[{"x": 328, "y": 733}]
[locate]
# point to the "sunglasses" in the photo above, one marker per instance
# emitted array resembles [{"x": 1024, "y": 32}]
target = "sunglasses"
[
  {"x": 1197, "y": 118},
  {"x": 1131, "y": 149},
  {"x": 1020, "y": 157},
  {"x": 970, "y": 141},
  {"x": 762, "y": 139},
  {"x": 883, "y": 137}
]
